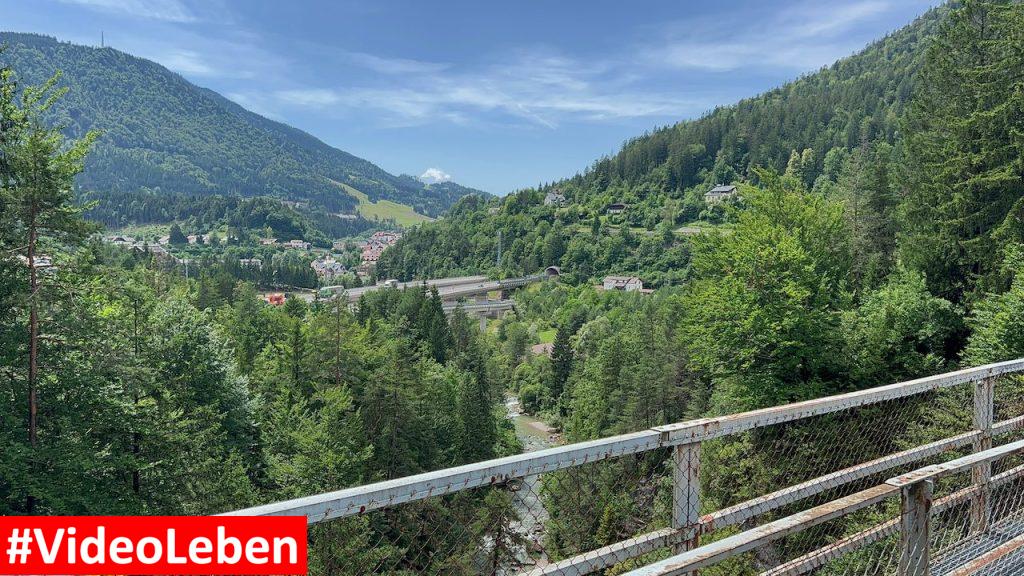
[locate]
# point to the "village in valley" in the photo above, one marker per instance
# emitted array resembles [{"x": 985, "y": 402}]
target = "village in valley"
[
  {"x": 278, "y": 266},
  {"x": 348, "y": 261}
]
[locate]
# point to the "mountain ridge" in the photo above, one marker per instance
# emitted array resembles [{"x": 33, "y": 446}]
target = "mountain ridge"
[{"x": 162, "y": 132}]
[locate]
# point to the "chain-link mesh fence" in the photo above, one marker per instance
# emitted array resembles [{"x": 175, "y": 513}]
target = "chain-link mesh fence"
[{"x": 613, "y": 512}]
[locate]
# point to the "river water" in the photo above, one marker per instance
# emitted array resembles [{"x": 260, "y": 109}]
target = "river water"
[{"x": 534, "y": 435}]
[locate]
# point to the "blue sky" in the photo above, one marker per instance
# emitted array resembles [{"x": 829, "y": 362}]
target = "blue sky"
[{"x": 496, "y": 95}]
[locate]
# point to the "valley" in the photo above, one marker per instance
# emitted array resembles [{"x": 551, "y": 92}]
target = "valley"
[{"x": 205, "y": 310}]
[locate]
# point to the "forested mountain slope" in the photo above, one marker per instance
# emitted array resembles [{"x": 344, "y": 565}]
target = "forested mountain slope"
[
  {"x": 810, "y": 127},
  {"x": 857, "y": 99},
  {"x": 160, "y": 131}
]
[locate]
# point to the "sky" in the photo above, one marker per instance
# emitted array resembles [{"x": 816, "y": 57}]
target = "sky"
[{"x": 497, "y": 95}]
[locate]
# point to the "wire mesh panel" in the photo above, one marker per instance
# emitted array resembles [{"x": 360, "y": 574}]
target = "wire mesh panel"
[
  {"x": 785, "y": 484},
  {"x": 865, "y": 543}
]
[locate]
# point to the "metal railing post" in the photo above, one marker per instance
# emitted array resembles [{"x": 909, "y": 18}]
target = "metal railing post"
[
  {"x": 915, "y": 508},
  {"x": 686, "y": 494},
  {"x": 981, "y": 474}
]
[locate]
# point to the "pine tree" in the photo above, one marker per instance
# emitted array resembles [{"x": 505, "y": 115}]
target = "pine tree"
[
  {"x": 433, "y": 326},
  {"x": 40, "y": 168},
  {"x": 865, "y": 190},
  {"x": 176, "y": 236},
  {"x": 964, "y": 147},
  {"x": 562, "y": 355}
]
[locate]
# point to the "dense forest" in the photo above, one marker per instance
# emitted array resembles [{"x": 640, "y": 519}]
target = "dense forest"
[
  {"x": 127, "y": 389},
  {"x": 241, "y": 217},
  {"x": 882, "y": 244},
  {"x": 158, "y": 131}
]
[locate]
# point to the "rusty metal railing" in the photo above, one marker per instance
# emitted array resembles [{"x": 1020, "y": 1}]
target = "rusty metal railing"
[{"x": 703, "y": 525}]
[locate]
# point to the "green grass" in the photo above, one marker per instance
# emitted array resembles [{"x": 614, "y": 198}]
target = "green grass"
[
  {"x": 546, "y": 336},
  {"x": 149, "y": 231},
  {"x": 402, "y": 214}
]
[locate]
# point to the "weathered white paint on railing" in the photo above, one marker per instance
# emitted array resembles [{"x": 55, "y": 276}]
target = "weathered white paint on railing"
[
  {"x": 958, "y": 465},
  {"x": 707, "y": 428},
  {"x": 362, "y": 499},
  {"x": 757, "y": 506},
  {"x": 715, "y": 552},
  {"x": 822, "y": 556}
]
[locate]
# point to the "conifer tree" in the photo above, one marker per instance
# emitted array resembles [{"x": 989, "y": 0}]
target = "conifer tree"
[
  {"x": 39, "y": 170},
  {"x": 964, "y": 148},
  {"x": 176, "y": 236}
]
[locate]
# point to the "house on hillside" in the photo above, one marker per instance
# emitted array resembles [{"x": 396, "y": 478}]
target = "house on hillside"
[
  {"x": 720, "y": 193},
  {"x": 371, "y": 253},
  {"x": 297, "y": 244},
  {"x": 268, "y": 241},
  {"x": 250, "y": 263},
  {"x": 623, "y": 283},
  {"x": 328, "y": 268},
  {"x": 386, "y": 237},
  {"x": 617, "y": 208},
  {"x": 554, "y": 199}
]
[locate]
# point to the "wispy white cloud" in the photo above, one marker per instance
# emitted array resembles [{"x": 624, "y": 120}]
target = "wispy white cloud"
[
  {"x": 540, "y": 87},
  {"x": 187, "y": 62},
  {"x": 385, "y": 65},
  {"x": 435, "y": 175},
  {"x": 169, "y": 10},
  {"x": 803, "y": 37},
  {"x": 535, "y": 86},
  {"x": 231, "y": 54},
  {"x": 308, "y": 97},
  {"x": 821, "y": 18}
]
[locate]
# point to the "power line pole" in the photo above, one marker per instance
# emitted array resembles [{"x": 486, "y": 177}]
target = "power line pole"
[{"x": 498, "y": 261}]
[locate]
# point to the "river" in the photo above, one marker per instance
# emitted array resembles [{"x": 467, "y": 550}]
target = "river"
[{"x": 534, "y": 435}]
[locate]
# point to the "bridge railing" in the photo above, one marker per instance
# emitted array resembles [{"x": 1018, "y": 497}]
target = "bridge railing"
[{"x": 784, "y": 490}]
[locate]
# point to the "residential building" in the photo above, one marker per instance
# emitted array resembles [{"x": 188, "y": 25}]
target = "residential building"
[
  {"x": 297, "y": 244},
  {"x": 372, "y": 253},
  {"x": 268, "y": 241},
  {"x": 374, "y": 247},
  {"x": 328, "y": 267},
  {"x": 623, "y": 283},
  {"x": 720, "y": 193},
  {"x": 250, "y": 263},
  {"x": 554, "y": 199},
  {"x": 617, "y": 208},
  {"x": 385, "y": 237}
]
